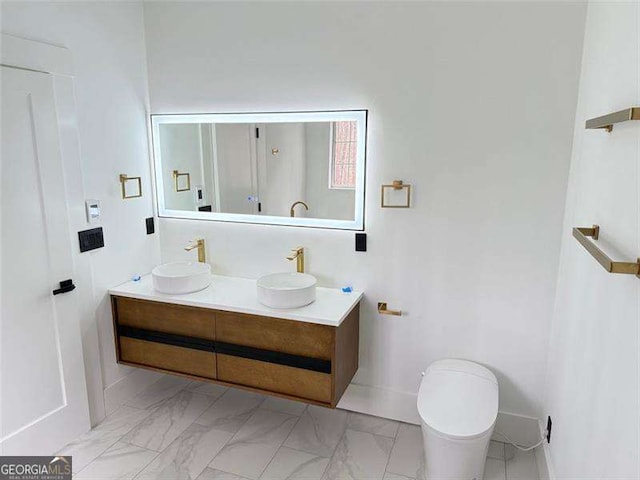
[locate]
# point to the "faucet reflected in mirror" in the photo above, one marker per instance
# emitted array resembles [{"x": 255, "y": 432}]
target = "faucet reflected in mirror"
[
  {"x": 298, "y": 254},
  {"x": 199, "y": 244},
  {"x": 299, "y": 202}
]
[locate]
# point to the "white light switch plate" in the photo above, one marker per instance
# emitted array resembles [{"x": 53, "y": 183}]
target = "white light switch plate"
[{"x": 93, "y": 210}]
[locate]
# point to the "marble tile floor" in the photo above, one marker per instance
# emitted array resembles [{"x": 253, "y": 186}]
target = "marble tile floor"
[{"x": 178, "y": 429}]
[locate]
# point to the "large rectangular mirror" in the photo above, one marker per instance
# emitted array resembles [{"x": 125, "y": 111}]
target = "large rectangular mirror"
[{"x": 297, "y": 168}]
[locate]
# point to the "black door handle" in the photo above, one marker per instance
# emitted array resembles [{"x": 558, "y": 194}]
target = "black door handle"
[{"x": 65, "y": 286}]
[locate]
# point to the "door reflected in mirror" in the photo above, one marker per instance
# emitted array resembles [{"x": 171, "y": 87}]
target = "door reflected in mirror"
[{"x": 304, "y": 169}]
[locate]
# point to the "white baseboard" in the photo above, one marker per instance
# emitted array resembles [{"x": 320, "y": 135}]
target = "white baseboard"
[
  {"x": 119, "y": 392},
  {"x": 543, "y": 459},
  {"x": 401, "y": 406},
  {"x": 520, "y": 429}
]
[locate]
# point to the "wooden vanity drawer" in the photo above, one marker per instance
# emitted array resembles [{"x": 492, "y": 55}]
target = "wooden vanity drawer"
[
  {"x": 166, "y": 318},
  {"x": 168, "y": 357},
  {"x": 297, "y": 382},
  {"x": 277, "y": 335},
  {"x": 294, "y": 359}
]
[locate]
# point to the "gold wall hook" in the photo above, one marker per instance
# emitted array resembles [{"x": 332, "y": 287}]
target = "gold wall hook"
[
  {"x": 176, "y": 178},
  {"x": 383, "y": 310},
  {"x": 124, "y": 178}
]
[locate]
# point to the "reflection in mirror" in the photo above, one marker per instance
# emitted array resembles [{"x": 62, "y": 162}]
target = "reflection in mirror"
[
  {"x": 287, "y": 169},
  {"x": 182, "y": 181}
]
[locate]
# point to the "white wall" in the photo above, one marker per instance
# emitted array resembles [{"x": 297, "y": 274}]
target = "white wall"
[
  {"x": 283, "y": 175},
  {"x": 235, "y": 166},
  {"x": 472, "y": 103},
  {"x": 182, "y": 149},
  {"x": 209, "y": 197},
  {"x": 593, "y": 388},
  {"x": 107, "y": 44}
]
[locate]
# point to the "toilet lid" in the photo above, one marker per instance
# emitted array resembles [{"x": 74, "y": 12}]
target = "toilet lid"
[{"x": 458, "y": 398}]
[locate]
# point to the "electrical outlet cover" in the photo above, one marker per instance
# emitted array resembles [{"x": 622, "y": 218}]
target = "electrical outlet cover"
[
  {"x": 361, "y": 242},
  {"x": 151, "y": 228}
]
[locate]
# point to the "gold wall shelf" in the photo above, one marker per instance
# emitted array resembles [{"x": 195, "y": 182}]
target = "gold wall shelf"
[
  {"x": 607, "y": 121},
  {"x": 581, "y": 234}
]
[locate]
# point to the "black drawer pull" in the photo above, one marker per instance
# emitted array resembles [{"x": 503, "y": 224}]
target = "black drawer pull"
[{"x": 65, "y": 286}]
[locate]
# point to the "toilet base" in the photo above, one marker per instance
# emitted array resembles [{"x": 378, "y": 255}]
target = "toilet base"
[{"x": 454, "y": 459}]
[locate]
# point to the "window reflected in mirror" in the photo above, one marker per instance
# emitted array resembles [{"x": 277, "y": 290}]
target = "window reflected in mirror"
[{"x": 344, "y": 148}]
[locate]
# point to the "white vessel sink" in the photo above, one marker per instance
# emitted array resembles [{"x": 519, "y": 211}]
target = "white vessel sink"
[
  {"x": 287, "y": 290},
  {"x": 181, "y": 277}
]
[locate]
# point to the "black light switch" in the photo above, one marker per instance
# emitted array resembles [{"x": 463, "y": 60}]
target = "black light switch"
[
  {"x": 151, "y": 228},
  {"x": 91, "y": 239},
  {"x": 361, "y": 242}
]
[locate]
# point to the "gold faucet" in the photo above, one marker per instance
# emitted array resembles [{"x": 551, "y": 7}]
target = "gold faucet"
[
  {"x": 298, "y": 254},
  {"x": 299, "y": 202},
  {"x": 199, "y": 244}
]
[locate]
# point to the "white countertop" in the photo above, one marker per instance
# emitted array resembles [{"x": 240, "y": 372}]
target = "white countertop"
[{"x": 238, "y": 295}]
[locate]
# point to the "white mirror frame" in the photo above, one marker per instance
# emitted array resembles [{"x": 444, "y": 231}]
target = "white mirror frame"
[{"x": 359, "y": 116}]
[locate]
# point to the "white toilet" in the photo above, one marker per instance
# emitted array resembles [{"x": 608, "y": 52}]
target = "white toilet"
[{"x": 458, "y": 406}]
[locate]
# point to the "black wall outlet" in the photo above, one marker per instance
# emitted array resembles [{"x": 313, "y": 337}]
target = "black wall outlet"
[
  {"x": 151, "y": 228},
  {"x": 361, "y": 242},
  {"x": 549, "y": 429}
]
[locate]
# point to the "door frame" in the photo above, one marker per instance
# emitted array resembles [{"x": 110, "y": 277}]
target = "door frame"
[{"x": 21, "y": 53}]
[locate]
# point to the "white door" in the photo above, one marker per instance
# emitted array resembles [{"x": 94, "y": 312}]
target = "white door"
[
  {"x": 283, "y": 175},
  {"x": 235, "y": 165},
  {"x": 43, "y": 399}
]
